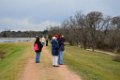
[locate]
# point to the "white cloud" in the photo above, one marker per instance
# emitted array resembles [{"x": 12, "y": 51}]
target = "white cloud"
[
  {"x": 25, "y": 24},
  {"x": 36, "y": 14}
]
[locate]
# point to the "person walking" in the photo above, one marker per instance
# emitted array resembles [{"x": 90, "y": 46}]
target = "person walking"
[
  {"x": 43, "y": 41},
  {"x": 37, "y": 48},
  {"x": 55, "y": 47},
  {"x": 46, "y": 40},
  {"x": 61, "y": 41}
]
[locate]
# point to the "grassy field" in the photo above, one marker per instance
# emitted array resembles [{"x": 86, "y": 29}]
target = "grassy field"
[
  {"x": 13, "y": 60},
  {"x": 91, "y": 65}
]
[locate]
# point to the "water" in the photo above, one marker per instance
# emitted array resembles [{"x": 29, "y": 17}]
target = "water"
[{"x": 15, "y": 40}]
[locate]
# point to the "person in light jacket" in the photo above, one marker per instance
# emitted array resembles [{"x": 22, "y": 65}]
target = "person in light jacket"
[{"x": 43, "y": 40}]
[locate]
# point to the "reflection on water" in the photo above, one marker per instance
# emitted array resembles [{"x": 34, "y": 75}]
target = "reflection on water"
[{"x": 15, "y": 40}]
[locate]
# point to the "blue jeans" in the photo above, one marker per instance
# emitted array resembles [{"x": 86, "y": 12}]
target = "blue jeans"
[
  {"x": 60, "y": 57},
  {"x": 37, "y": 57},
  {"x": 43, "y": 43}
]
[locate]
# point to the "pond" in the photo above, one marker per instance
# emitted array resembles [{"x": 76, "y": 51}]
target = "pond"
[{"x": 2, "y": 40}]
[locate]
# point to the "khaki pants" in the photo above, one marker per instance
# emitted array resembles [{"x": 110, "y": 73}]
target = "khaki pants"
[{"x": 55, "y": 60}]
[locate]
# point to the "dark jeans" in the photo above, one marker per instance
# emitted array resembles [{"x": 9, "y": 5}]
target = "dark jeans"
[{"x": 46, "y": 42}]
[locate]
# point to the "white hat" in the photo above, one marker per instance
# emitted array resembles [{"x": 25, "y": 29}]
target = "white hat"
[{"x": 53, "y": 37}]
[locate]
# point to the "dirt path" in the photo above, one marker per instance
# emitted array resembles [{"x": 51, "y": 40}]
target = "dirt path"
[
  {"x": 104, "y": 52},
  {"x": 45, "y": 71}
]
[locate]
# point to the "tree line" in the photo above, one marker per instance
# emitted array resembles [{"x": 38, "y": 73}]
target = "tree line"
[{"x": 92, "y": 30}]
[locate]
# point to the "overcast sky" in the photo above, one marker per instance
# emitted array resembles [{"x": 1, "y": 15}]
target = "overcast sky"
[{"x": 39, "y": 14}]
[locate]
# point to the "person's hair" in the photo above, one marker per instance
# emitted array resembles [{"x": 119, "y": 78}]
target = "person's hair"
[{"x": 37, "y": 40}]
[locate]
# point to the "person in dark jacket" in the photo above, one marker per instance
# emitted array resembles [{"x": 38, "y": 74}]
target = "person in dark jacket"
[
  {"x": 46, "y": 40},
  {"x": 61, "y": 41},
  {"x": 55, "y": 47},
  {"x": 39, "y": 49}
]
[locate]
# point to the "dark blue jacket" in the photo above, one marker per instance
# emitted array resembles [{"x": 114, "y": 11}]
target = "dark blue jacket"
[
  {"x": 55, "y": 47},
  {"x": 61, "y": 44}
]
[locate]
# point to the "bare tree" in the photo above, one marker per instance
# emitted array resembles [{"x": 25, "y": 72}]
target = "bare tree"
[
  {"x": 116, "y": 24},
  {"x": 93, "y": 20},
  {"x": 91, "y": 31},
  {"x": 81, "y": 29}
]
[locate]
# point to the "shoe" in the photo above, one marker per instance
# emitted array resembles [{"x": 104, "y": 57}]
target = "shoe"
[
  {"x": 61, "y": 64},
  {"x": 55, "y": 66},
  {"x": 37, "y": 62}
]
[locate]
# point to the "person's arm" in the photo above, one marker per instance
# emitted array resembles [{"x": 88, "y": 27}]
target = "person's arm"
[{"x": 40, "y": 45}]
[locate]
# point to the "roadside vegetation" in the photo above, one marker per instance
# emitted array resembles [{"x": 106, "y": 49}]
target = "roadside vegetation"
[
  {"x": 12, "y": 60},
  {"x": 91, "y": 65}
]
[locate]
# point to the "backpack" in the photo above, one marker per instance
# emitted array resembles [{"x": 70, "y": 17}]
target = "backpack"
[{"x": 36, "y": 47}]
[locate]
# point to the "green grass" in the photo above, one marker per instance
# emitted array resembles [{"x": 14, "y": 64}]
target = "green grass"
[
  {"x": 13, "y": 60},
  {"x": 91, "y": 65}
]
